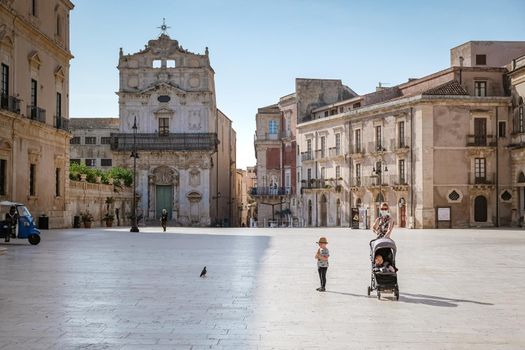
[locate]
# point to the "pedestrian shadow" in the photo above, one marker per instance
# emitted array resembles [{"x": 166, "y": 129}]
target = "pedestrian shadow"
[{"x": 422, "y": 299}]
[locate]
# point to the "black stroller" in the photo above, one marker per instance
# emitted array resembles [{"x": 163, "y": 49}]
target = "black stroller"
[{"x": 383, "y": 279}]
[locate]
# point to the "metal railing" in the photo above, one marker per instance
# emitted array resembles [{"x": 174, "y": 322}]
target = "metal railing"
[
  {"x": 10, "y": 103},
  {"x": 269, "y": 136},
  {"x": 373, "y": 180},
  {"x": 376, "y": 147},
  {"x": 306, "y": 156},
  {"x": 321, "y": 153},
  {"x": 400, "y": 144},
  {"x": 481, "y": 179},
  {"x": 335, "y": 152},
  {"x": 481, "y": 140},
  {"x": 61, "y": 123},
  {"x": 357, "y": 149},
  {"x": 271, "y": 191},
  {"x": 171, "y": 142},
  {"x": 36, "y": 113}
]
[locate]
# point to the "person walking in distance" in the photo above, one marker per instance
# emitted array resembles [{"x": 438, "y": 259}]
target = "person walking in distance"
[
  {"x": 11, "y": 219},
  {"x": 164, "y": 219},
  {"x": 322, "y": 256}
]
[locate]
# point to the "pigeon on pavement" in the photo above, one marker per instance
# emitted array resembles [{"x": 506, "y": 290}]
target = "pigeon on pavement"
[{"x": 203, "y": 272}]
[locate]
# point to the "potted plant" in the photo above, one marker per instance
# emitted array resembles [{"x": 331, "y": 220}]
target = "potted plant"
[
  {"x": 108, "y": 218},
  {"x": 86, "y": 218}
]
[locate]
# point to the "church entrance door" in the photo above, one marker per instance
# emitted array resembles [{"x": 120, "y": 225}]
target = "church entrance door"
[{"x": 164, "y": 200}]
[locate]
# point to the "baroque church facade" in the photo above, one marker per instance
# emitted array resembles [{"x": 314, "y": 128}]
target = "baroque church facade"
[{"x": 185, "y": 144}]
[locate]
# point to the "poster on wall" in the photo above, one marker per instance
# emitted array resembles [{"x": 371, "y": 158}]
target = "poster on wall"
[
  {"x": 355, "y": 218},
  {"x": 443, "y": 215}
]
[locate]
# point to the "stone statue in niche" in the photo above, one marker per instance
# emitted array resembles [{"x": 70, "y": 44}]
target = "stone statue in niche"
[
  {"x": 195, "y": 178},
  {"x": 194, "y": 120}
]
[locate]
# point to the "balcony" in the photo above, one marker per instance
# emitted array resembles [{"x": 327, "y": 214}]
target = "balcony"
[
  {"x": 314, "y": 184},
  {"x": 481, "y": 141},
  {"x": 169, "y": 142},
  {"x": 271, "y": 191},
  {"x": 307, "y": 156},
  {"x": 259, "y": 137},
  {"x": 10, "y": 103},
  {"x": 61, "y": 123},
  {"x": 321, "y": 154},
  {"x": 400, "y": 146},
  {"x": 356, "y": 151},
  {"x": 335, "y": 152},
  {"x": 36, "y": 113},
  {"x": 481, "y": 179},
  {"x": 376, "y": 147}
]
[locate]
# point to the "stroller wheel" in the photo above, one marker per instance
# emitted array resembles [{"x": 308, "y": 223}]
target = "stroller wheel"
[
  {"x": 369, "y": 290},
  {"x": 378, "y": 295}
]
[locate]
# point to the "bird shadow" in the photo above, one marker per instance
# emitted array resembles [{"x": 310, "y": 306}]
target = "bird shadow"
[{"x": 422, "y": 299}]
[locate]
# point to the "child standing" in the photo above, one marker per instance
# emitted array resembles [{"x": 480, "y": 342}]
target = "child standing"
[
  {"x": 164, "y": 219},
  {"x": 322, "y": 262}
]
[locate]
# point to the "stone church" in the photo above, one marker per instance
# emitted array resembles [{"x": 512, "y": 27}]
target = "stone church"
[{"x": 185, "y": 144}]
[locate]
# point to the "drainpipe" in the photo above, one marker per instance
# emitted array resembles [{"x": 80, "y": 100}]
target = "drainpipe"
[
  {"x": 412, "y": 168},
  {"x": 497, "y": 168}
]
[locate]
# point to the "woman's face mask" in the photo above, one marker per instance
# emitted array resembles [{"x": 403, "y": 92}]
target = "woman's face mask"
[{"x": 384, "y": 212}]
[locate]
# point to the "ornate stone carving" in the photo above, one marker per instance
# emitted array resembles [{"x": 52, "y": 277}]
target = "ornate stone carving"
[{"x": 164, "y": 176}]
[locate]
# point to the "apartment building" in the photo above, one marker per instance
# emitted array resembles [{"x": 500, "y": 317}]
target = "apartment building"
[
  {"x": 434, "y": 148},
  {"x": 276, "y": 149}
]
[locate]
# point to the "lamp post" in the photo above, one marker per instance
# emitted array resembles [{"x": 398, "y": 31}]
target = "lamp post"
[
  {"x": 134, "y": 155},
  {"x": 377, "y": 172}
]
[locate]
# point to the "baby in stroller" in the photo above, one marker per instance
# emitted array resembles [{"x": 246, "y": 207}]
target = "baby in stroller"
[{"x": 380, "y": 265}]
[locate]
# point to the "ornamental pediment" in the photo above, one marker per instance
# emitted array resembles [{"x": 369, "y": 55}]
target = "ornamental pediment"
[
  {"x": 34, "y": 60},
  {"x": 163, "y": 87}
]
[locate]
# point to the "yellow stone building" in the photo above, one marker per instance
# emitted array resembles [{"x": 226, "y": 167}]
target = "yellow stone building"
[{"x": 34, "y": 105}]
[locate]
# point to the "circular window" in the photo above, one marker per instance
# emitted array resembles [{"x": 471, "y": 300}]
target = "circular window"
[{"x": 164, "y": 98}]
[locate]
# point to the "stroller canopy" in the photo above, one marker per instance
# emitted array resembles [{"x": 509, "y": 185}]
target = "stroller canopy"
[{"x": 383, "y": 243}]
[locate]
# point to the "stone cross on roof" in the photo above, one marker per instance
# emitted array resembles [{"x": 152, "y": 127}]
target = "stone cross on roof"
[{"x": 164, "y": 27}]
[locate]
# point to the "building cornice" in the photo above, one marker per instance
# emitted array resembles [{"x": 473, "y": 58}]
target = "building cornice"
[
  {"x": 409, "y": 102},
  {"x": 35, "y": 34}
]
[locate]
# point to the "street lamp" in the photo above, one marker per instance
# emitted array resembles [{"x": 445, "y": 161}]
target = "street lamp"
[
  {"x": 134, "y": 155},
  {"x": 377, "y": 172}
]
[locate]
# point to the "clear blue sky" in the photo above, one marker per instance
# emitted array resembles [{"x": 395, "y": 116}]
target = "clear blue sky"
[{"x": 258, "y": 48}]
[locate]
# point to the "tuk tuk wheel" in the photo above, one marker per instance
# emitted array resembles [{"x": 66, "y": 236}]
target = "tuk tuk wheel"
[
  {"x": 34, "y": 239},
  {"x": 369, "y": 290}
]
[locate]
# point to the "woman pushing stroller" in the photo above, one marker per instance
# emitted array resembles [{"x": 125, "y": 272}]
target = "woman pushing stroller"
[{"x": 384, "y": 223}]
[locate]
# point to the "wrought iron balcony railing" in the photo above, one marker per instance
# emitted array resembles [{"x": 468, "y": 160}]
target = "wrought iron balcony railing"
[
  {"x": 36, "y": 113},
  {"x": 168, "y": 142},
  {"x": 10, "y": 103},
  {"x": 481, "y": 179},
  {"x": 481, "y": 140},
  {"x": 306, "y": 156},
  {"x": 335, "y": 152},
  {"x": 271, "y": 191},
  {"x": 400, "y": 144},
  {"x": 357, "y": 149},
  {"x": 61, "y": 123},
  {"x": 374, "y": 147}
]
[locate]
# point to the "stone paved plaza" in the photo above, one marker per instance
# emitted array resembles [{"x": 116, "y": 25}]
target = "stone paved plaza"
[{"x": 112, "y": 289}]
